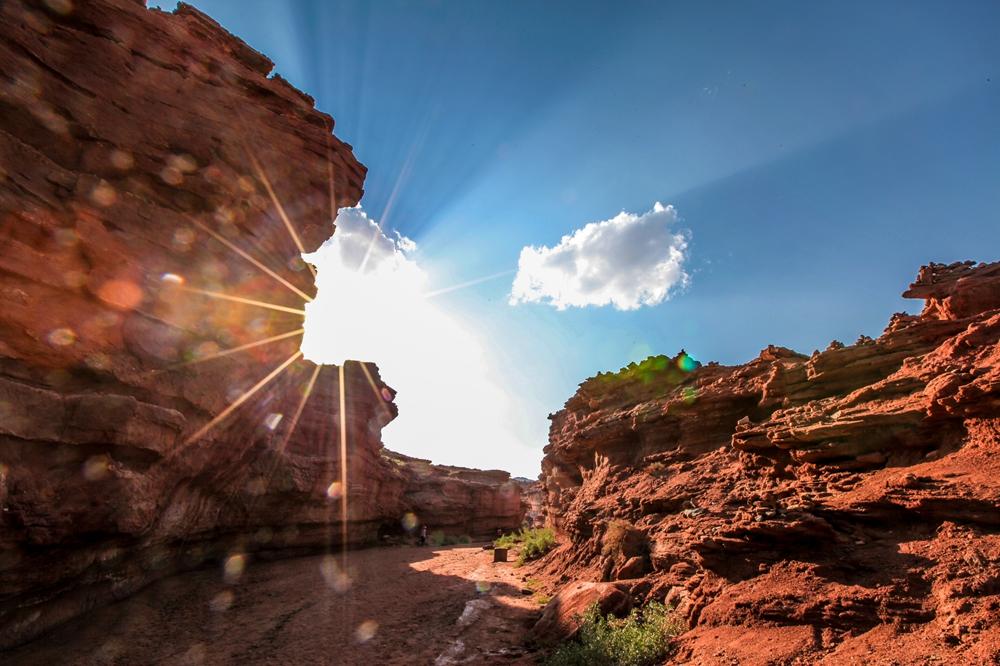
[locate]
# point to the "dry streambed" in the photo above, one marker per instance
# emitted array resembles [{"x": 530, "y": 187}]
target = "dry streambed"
[{"x": 400, "y": 605}]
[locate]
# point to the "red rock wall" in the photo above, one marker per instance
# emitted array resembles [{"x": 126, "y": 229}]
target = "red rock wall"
[
  {"x": 458, "y": 500},
  {"x": 147, "y": 158},
  {"x": 843, "y": 506}
]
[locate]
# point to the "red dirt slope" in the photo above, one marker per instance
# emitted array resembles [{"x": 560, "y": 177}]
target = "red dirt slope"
[{"x": 838, "y": 508}]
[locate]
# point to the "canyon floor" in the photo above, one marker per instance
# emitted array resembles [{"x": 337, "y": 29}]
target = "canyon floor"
[{"x": 404, "y": 605}]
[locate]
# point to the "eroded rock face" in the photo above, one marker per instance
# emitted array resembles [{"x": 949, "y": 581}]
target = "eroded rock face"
[
  {"x": 837, "y": 506},
  {"x": 157, "y": 188},
  {"x": 458, "y": 500}
]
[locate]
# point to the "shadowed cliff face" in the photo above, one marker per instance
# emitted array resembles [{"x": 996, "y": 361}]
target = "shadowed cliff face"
[
  {"x": 156, "y": 191},
  {"x": 838, "y": 505}
]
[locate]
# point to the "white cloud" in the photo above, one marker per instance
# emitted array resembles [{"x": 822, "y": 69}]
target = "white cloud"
[
  {"x": 628, "y": 261},
  {"x": 453, "y": 408}
]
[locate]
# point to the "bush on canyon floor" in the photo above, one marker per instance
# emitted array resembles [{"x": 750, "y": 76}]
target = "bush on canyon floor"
[
  {"x": 534, "y": 542},
  {"x": 640, "y": 639}
]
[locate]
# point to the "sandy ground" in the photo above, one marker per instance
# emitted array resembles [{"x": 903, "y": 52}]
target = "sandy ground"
[{"x": 401, "y": 605}]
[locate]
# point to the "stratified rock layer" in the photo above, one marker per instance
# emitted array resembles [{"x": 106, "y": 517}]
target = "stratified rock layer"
[
  {"x": 843, "y": 507},
  {"x": 458, "y": 500},
  {"x": 157, "y": 188}
]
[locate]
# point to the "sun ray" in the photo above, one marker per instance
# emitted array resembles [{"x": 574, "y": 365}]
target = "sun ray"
[
  {"x": 281, "y": 209},
  {"x": 246, "y": 301},
  {"x": 234, "y": 350},
  {"x": 329, "y": 175},
  {"x": 291, "y": 427},
  {"x": 304, "y": 296},
  {"x": 371, "y": 382},
  {"x": 242, "y": 399},
  {"x": 343, "y": 467},
  {"x": 298, "y": 410},
  {"x": 470, "y": 283}
]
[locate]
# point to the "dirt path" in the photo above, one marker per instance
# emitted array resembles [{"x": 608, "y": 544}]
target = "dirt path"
[{"x": 402, "y": 605}]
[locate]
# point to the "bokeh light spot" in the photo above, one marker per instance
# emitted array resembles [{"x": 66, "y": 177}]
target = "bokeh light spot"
[
  {"x": 335, "y": 577},
  {"x": 61, "y": 337},
  {"x": 122, "y": 160},
  {"x": 171, "y": 278},
  {"x": 96, "y": 468},
  {"x": 409, "y": 522},
  {"x": 233, "y": 568},
  {"x": 366, "y": 631},
  {"x": 183, "y": 238},
  {"x": 103, "y": 194},
  {"x": 686, "y": 363},
  {"x": 66, "y": 237},
  {"x": 223, "y": 601},
  {"x": 120, "y": 294}
]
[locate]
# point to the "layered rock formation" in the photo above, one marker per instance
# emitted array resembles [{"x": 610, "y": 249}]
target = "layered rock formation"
[
  {"x": 458, "y": 500},
  {"x": 840, "y": 507},
  {"x": 157, "y": 188}
]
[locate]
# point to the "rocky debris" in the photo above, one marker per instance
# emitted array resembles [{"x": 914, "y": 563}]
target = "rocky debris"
[
  {"x": 157, "y": 189},
  {"x": 561, "y": 618},
  {"x": 802, "y": 508}
]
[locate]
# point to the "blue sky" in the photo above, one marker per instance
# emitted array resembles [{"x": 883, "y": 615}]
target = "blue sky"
[{"x": 815, "y": 154}]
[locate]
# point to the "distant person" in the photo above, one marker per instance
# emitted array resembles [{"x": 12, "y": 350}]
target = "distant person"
[{"x": 423, "y": 535}]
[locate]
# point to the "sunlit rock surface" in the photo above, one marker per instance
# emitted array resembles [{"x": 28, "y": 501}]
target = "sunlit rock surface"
[
  {"x": 458, "y": 500},
  {"x": 843, "y": 506},
  {"x": 151, "y": 171}
]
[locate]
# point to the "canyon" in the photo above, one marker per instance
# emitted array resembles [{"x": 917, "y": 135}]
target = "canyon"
[
  {"x": 158, "y": 423},
  {"x": 157, "y": 189}
]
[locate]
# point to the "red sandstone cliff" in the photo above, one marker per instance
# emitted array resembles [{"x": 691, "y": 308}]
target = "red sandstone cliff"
[
  {"x": 459, "y": 500},
  {"x": 147, "y": 162},
  {"x": 843, "y": 507}
]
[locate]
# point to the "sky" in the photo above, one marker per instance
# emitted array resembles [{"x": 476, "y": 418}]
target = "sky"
[{"x": 632, "y": 178}]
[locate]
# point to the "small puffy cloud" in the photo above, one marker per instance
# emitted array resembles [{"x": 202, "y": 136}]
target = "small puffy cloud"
[
  {"x": 360, "y": 244},
  {"x": 628, "y": 261}
]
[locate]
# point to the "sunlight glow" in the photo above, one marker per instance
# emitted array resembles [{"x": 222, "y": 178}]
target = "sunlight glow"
[{"x": 452, "y": 408}]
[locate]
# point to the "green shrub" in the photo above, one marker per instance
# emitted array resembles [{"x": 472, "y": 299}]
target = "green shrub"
[
  {"x": 534, "y": 543},
  {"x": 508, "y": 540},
  {"x": 640, "y": 639}
]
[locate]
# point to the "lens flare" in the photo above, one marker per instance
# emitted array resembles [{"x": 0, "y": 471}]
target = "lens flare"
[
  {"x": 246, "y": 301},
  {"x": 409, "y": 522},
  {"x": 233, "y": 567},
  {"x": 686, "y": 363},
  {"x": 243, "y": 398},
  {"x": 366, "y": 631}
]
